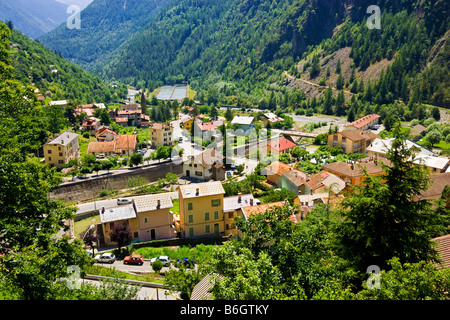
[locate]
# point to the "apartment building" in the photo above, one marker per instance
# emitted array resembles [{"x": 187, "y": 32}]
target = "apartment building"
[{"x": 62, "y": 149}]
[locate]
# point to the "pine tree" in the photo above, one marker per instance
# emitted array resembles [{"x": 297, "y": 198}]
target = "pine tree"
[
  {"x": 340, "y": 100},
  {"x": 340, "y": 82},
  {"x": 384, "y": 218},
  {"x": 143, "y": 102},
  {"x": 328, "y": 102},
  {"x": 338, "y": 67},
  {"x": 351, "y": 115}
]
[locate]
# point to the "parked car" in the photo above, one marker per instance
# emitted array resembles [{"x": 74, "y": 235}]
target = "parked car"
[
  {"x": 106, "y": 257},
  {"x": 188, "y": 263},
  {"x": 101, "y": 156},
  {"x": 164, "y": 259},
  {"x": 123, "y": 201},
  {"x": 134, "y": 259}
]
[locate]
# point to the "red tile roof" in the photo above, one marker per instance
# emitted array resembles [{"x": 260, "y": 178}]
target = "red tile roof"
[
  {"x": 443, "y": 248},
  {"x": 125, "y": 142},
  {"x": 277, "y": 168},
  {"x": 282, "y": 145},
  {"x": 207, "y": 126},
  {"x": 363, "y": 121}
]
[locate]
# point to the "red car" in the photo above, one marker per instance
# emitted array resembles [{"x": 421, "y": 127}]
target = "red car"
[{"x": 134, "y": 259}]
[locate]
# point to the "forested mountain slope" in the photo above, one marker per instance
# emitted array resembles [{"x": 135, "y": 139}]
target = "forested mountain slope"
[
  {"x": 33, "y": 18},
  {"x": 34, "y": 64},
  {"x": 105, "y": 26},
  {"x": 248, "y": 48}
]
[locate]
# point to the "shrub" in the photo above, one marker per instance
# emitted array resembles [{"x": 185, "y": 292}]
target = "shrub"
[{"x": 157, "y": 266}]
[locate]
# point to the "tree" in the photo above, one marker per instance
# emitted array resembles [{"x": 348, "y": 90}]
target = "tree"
[
  {"x": 136, "y": 159},
  {"x": 121, "y": 233},
  {"x": 340, "y": 82},
  {"x": 29, "y": 220},
  {"x": 328, "y": 103},
  {"x": 315, "y": 66},
  {"x": 213, "y": 113},
  {"x": 107, "y": 165},
  {"x": 435, "y": 113},
  {"x": 143, "y": 102},
  {"x": 157, "y": 266},
  {"x": 340, "y": 101},
  {"x": 272, "y": 101},
  {"x": 229, "y": 114},
  {"x": 410, "y": 281},
  {"x": 182, "y": 281},
  {"x": 433, "y": 137},
  {"x": 351, "y": 115},
  {"x": 382, "y": 219},
  {"x": 338, "y": 67},
  {"x": 245, "y": 277},
  {"x": 90, "y": 238}
]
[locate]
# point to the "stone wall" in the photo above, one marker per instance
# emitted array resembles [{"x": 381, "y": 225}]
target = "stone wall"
[{"x": 82, "y": 190}]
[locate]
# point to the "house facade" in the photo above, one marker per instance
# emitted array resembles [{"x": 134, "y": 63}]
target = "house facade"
[
  {"x": 201, "y": 209},
  {"x": 62, "y": 149},
  {"x": 231, "y": 206},
  {"x": 113, "y": 217},
  {"x": 204, "y": 166},
  {"x": 161, "y": 134},
  {"x": 155, "y": 220},
  {"x": 352, "y": 141}
]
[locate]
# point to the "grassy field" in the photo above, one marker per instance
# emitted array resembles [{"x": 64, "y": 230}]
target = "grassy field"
[
  {"x": 441, "y": 145},
  {"x": 84, "y": 143},
  {"x": 113, "y": 273},
  {"x": 82, "y": 225},
  {"x": 200, "y": 253}
]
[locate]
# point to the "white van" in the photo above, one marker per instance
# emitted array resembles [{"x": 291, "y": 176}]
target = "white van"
[{"x": 123, "y": 201}]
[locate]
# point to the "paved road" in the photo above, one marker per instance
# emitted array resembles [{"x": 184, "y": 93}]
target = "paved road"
[
  {"x": 145, "y": 293},
  {"x": 145, "y": 268}
]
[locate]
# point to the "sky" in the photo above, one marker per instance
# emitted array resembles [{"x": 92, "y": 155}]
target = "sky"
[{"x": 81, "y": 3}]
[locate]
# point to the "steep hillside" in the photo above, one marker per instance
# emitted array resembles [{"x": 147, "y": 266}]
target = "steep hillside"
[
  {"x": 48, "y": 71},
  {"x": 105, "y": 26},
  {"x": 33, "y": 18},
  {"x": 252, "y": 49},
  {"x": 239, "y": 40}
]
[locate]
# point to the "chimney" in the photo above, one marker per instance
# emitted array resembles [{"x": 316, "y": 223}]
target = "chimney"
[
  {"x": 159, "y": 203},
  {"x": 251, "y": 201},
  {"x": 103, "y": 210},
  {"x": 197, "y": 191},
  {"x": 239, "y": 197}
]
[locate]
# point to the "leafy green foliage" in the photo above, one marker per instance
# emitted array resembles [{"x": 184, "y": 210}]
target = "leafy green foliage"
[{"x": 48, "y": 71}]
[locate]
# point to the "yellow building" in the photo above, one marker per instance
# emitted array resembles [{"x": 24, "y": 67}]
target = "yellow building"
[
  {"x": 352, "y": 141},
  {"x": 231, "y": 209},
  {"x": 201, "y": 209},
  {"x": 62, "y": 149},
  {"x": 161, "y": 134},
  {"x": 186, "y": 123}
]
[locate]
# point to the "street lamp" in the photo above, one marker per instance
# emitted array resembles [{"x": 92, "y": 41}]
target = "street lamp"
[{"x": 89, "y": 229}]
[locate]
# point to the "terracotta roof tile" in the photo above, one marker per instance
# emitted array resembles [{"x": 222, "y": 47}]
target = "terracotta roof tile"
[
  {"x": 282, "y": 145},
  {"x": 277, "y": 168},
  {"x": 261, "y": 208},
  {"x": 443, "y": 248},
  {"x": 363, "y": 121}
]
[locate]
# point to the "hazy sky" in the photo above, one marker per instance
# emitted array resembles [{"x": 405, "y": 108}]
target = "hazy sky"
[{"x": 81, "y": 3}]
